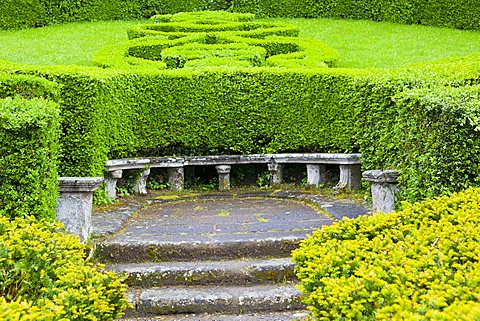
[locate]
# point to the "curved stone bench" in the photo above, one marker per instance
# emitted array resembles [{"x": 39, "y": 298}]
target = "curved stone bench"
[{"x": 350, "y": 173}]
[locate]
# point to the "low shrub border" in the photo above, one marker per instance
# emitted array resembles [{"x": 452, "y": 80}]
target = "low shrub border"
[
  {"x": 46, "y": 276},
  {"x": 421, "y": 262}
]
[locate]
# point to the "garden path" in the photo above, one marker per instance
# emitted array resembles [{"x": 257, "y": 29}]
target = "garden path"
[{"x": 213, "y": 257}]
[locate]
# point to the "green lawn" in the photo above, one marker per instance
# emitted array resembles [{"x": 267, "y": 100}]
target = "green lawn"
[{"x": 360, "y": 43}]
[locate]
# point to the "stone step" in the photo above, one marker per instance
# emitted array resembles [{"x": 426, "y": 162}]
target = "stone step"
[
  {"x": 296, "y": 315},
  {"x": 219, "y": 299},
  {"x": 128, "y": 249},
  {"x": 238, "y": 272}
]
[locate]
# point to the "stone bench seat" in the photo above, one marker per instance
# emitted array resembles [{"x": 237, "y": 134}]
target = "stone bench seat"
[{"x": 350, "y": 173}]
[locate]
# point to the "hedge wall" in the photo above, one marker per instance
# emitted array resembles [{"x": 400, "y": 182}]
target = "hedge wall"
[
  {"x": 421, "y": 263},
  {"x": 37, "y": 13},
  {"x": 29, "y": 146},
  {"x": 460, "y": 14},
  {"x": 109, "y": 114},
  {"x": 28, "y": 157}
]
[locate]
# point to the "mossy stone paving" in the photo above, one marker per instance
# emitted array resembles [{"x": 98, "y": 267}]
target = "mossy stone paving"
[
  {"x": 220, "y": 220},
  {"x": 212, "y": 229}
]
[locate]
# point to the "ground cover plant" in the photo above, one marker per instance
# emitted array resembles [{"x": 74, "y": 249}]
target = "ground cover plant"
[{"x": 419, "y": 263}]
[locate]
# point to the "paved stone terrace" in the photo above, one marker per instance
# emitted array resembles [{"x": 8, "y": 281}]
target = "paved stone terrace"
[
  {"x": 227, "y": 212},
  {"x": 213, "y": 257}
]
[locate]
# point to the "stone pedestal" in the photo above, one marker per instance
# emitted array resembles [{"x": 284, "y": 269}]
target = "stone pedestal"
[
  {"x": 384, "y": 185},
  {"x": 140, "y": 186},
  {"x": 350, "y": 177},
  {"x": 111, "y": 183},
  {"x": 74, "y": 206},
  {"x": 276, "y": 171},
  {"x": 176, "y": 177},
  {"x": 316, "y": 175},
  {"x": 223, "y": 177}
]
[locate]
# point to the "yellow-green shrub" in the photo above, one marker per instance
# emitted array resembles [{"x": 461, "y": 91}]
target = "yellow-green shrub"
[
  {"x": 45, "y": 275},
  {"x": 418, "y": 263}
]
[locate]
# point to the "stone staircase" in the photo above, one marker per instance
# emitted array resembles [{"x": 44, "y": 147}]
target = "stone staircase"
[{"x": 212, "y": 259}]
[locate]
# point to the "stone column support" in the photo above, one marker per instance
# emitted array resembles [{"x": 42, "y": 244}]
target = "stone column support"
[
  {"x": 384, "y": 186},
  {"x": 276, "y": 171},
  {"x": 350, "y": 177},
  {"x": 74, "y": 206},
  {"x": 223, "y": 177},
  {"x": 111, "y": 182},
  {"x": 176, "y": 177},
  {"x": 140, "y": 186},
  {"x": 316, "y": 175}
]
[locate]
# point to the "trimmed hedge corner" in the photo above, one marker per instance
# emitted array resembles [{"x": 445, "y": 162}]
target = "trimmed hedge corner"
[
  {"x": 419, "y": 263},
  {"x": 46, "y": 276},
  {"x": 28, "y": 157}
]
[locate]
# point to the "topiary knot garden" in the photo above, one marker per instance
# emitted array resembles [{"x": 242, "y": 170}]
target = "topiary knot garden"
[{"x": 215, "y": 38}]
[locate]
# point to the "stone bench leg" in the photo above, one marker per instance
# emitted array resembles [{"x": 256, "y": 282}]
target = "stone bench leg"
[
  {"x": 276, "y": 171},
  {"x": 140, "y": 186},
  {"x": 223, "y": 177},
  {"x": 384, "y": 189},
  {"x": 176, "y": 177},
  {"x": 350, "y": 177},
  {"x": 316, "y": 175},
  {"x": 74, "y": 206},
  {"x": 111, "y": 183}
]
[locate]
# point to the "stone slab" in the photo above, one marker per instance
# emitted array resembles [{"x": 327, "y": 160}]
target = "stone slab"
[
  {"x": 234, "y": 272},
  {"x": 295, "y": 315},
  {"x": 223, "y": 299}
]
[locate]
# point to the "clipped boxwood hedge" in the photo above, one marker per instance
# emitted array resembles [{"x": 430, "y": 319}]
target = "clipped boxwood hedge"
[
  {"x": 37, "y": 13},
  {"x": 184, "y": 40},
  {"x": 461, "y": 14},
  {"x": 28, "y": 157},
  {"x": 421, "y": 263},
  {"x": 45, "y": 275}
]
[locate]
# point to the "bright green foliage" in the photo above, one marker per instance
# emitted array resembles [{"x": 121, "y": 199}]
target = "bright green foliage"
[
  {"x": 217, "y": 38},
  {"x": 432, "y": 135},
  {"x": 461, "y": 14},
  {"x": 37, "y": 13},
  {"x": 27, "y": 87},
  {"x": 45, "y": 275},
  {"x": 421, "y": 263},
  {"x": 28, "y": 157}
]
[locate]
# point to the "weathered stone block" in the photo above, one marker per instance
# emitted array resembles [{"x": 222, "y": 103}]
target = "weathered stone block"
[
  {"x": 111, "y": 182},
  {"x": 384, "y": 186},
  {"x": 74, "y": 207},
  {"x": 176, "y": 177},
  {"x": 223, "y": 177},
  {"x": 276, "y": 171},
  {"x": 350, "y": 177},
  {"x": 140, "y": 186},
  {"x": 316, "y": 175}
]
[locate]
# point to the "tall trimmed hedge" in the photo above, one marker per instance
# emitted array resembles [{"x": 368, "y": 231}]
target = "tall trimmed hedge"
[
  {"x": 461, "y": 14},
  {"x": 37, "y": 13},
  {"x": 28, "y": 157}
]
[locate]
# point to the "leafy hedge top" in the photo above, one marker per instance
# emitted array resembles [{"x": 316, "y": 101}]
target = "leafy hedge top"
[
  {"x": 206, "y": 39},
  {"x": 419, "y": 263}
]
